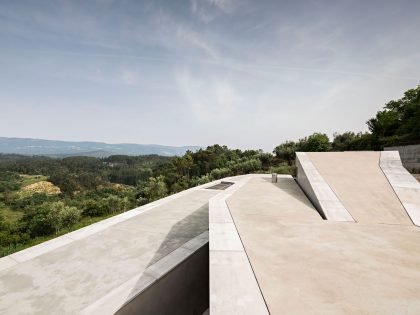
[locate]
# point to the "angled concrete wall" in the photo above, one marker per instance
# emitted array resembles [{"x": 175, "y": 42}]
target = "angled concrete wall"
[
  {"x": 410, "y": 155},
  {"x": 318, "y": 191},
  {"x": 404, "y": 184},
  {"x": 182, "y": 290}
]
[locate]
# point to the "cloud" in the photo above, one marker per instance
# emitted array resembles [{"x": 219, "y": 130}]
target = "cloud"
[
  {"x": 208, "y": 98},
  {"x": 129, "y": 77},
  {"x": 208, "y": 10},
  {"x": 193, "y": 39},
  {"x": 271, "y": 70}
]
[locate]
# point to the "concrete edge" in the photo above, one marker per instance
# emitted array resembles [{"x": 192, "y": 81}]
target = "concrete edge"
[
  {"x": 405, "y": 186},
  {"x": 129, "y": 290},
  {"x": 318, "y": 190},
  {"x": 232, "y": 280},
  {"x": 50, "y": 245}
]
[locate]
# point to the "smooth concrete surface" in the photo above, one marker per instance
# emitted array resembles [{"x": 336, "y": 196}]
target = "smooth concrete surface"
[
  {"x": 318, "y": 190},
  {"x": 128, "y": 298},
  {"x": 282, "y": 201},
  {"x": 305, "y": 265},
  {"x": 70, "y": 274},
  {"x": 233, "y": 286},
  {"x": 406, "y": 187},
  {"x": 361, "y": 186}
]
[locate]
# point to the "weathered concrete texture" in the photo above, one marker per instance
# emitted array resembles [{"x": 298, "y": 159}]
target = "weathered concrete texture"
[
  {"x": 318, "y": 190},
  {"x": 410, "y": 155},
  {"x": 304, "y": 265},
  {"x": 71, "y": 277},
  {"x": 233, "y": 287},
  {"x": 404, "y": 184},
  {"x": 361, "y": 186}
]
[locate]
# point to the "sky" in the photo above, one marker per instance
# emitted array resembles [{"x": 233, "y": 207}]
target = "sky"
[{"x": 244, "y": 73}]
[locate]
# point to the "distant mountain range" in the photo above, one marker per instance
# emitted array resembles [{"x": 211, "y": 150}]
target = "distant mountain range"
[{"x": 55, "y": 148}]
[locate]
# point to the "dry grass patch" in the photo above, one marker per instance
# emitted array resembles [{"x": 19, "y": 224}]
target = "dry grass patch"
[{"x": 45, "y": 187}]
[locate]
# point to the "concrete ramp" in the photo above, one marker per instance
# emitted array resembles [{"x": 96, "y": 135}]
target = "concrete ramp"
[{"x": 359, "y": 184}]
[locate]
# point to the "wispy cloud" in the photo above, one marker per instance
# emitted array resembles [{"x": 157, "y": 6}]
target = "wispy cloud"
[
  {"x": 209, "y": 98},
  {"x": 264, "y": 69}
]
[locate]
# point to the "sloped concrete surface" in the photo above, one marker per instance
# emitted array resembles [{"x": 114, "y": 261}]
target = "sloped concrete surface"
[
  {"x": 361, "y": 186},
  {"x": 306, "y": 265}
]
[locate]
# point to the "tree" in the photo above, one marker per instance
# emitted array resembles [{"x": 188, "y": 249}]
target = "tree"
[
  {"x": 70, "y": 216},
  {"x": 385, "y": 124},
  {"x": 113, "y": 203},
  {"x": 62, "y": 216},
  {"x": 92, "y": 207},
  {"x": 317, "y": 142},
  {"x": 266, "y": 160},
  {"x": 286, "y": 151},
  {"x": 399, "y": 119},
  {"x": 156, "y": 188},
  {"x": 37, "y": 222},
  {"x": 343, "y": 142},
  {"x": 2, "y": 222}
]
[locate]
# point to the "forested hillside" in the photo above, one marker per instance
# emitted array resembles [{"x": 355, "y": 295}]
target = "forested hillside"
[{"x": 43, "y": 197}]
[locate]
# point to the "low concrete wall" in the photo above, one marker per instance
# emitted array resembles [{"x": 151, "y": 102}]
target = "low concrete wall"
[
  {"x": 410, "y": 155},
  {"x": 184, "y": 290},
  {"x": 233, "y": 286},
  {"x": 403, "y": 183}
]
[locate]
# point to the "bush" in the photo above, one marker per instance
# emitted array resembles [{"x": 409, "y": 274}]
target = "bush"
[
  {"x": 93, "y": 208},
  {"x": 62, "y": 216},
  {"x": 284, "y": 169}
]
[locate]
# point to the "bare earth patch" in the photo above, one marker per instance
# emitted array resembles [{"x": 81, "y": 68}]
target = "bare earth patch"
[{"x": 45, "y": 187}]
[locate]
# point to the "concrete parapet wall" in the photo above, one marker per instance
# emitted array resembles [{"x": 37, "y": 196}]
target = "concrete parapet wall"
[
  {"x": 318, "y": 191},
  {"x": 233, "y": 286},
  {"x": 404, "y": 184},
  {"x": 409, "y": 154},
  {"x": 176, "y": 284}
]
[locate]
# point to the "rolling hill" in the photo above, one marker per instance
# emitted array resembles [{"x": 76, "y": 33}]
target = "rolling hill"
[{"x": 56, "y": 148}]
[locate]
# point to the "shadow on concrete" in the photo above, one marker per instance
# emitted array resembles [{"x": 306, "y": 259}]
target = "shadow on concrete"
[
  {"x": 185, "y": 289},
  {"x": 183, "y": 231},
  {"x": 292, "y": 188}
]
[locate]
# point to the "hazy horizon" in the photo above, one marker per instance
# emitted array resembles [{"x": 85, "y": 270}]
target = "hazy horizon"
[
  {"x": 106, "y": 142},
  {"x": 245, "y": 74}
]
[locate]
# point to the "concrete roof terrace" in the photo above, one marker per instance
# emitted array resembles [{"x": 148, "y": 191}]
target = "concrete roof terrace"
[
  {"x": 305, "y": 265},
  {"x": 256, "y": 247},
  {"x": 99, "y": 268}
]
